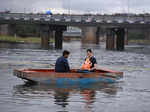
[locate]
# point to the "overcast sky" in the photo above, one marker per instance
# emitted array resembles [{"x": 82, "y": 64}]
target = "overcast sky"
[{"x": 76, "y": 6}]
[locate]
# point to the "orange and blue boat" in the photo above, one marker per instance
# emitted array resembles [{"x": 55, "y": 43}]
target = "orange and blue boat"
[{"x": 49, "y": 76}]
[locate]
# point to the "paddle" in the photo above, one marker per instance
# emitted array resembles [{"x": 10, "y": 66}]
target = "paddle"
[{"x": 52, "y": 64}]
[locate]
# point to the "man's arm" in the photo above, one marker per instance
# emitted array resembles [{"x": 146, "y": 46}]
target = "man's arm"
[
  {"x": 95, "y": 64},
  {"x": 66, "y": 65},
  {"x": 93, "y": 67}
]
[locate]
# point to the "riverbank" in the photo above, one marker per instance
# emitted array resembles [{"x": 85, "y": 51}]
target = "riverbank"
[
  {"x": 11, "y": 39},
  {"x": 139, "y": 41}
]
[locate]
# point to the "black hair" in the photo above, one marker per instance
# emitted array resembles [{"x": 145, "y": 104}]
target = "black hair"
[
  {"x": 65, "y": 52},
  {"x": 89, "y": 50}
]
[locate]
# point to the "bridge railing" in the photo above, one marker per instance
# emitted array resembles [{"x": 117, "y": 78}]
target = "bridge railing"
[{"x": 77, "y": 18}]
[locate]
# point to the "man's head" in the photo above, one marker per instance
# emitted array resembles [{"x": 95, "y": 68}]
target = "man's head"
[
  {"x": 89, "y": 52},
  {"x": 66, "y": 53}
]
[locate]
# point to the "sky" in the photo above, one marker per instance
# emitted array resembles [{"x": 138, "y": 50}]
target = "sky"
[{"x": 77, "y": 6}]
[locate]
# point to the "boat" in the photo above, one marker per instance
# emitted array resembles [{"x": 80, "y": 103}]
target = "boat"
[{"x": 49, "y": 76}]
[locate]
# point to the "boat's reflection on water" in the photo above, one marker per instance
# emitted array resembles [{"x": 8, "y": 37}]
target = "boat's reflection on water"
[{"x": 61, "y": 94}]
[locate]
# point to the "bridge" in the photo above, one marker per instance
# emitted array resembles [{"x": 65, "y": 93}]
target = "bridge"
[{"x": 90, "y": 25}]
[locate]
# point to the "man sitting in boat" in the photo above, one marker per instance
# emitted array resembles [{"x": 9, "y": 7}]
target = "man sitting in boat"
[
  {"x": 62, "y": 64},
  {"x": 89, "y": 64}
]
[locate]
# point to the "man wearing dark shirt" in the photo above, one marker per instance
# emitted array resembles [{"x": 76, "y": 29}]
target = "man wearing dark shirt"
[{"x": 62, "y": 64}]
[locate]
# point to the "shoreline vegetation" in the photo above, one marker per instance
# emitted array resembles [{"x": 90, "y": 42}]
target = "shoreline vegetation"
[
  {"x": 37, "y": 40},
  {"x": 139, "y": 41},
  {"x": 12, "y": 39}
]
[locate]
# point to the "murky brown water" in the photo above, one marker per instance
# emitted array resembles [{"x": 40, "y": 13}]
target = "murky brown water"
[{"x": 131, "y": 94}]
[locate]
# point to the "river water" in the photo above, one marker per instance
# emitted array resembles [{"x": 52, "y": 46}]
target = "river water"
[{"x": 130, "y": 94}]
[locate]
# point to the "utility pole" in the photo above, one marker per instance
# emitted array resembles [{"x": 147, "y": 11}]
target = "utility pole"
[
  {"x": 69, "y": 7},
  {"x": 128, "y": 6},
  {"x": 24, "y": 10}
]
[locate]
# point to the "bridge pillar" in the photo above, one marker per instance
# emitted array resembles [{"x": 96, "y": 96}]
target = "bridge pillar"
[
  {"x": 44, "y": 36},
  {"x": 126, "y": 37},
  {"x": 59, "y": 36},
  {"x": 110, "y": 39},
  {"x": 97, "y": 35},
  {"x": 12, "y": 29},
  {"x": 7, "y": 29},
  {"x": 147, "y": 34},
  {"x": 58, "y": 39},
  {"x": 148, "y": 37},
  {"x": 4, "y": 29},
  {"x": 120, "y": 39},
  {"x": 45, "y": 40},
  {"x": 90, "y": 35}
]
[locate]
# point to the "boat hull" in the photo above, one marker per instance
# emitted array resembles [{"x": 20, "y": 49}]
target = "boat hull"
[{"x": 46, "y": 76}]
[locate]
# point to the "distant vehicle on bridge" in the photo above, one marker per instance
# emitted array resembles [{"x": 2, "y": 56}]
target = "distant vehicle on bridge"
[{"x": 48, "y": 13}]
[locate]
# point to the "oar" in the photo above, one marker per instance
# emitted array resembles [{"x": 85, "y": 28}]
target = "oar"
[{"x": 52, "y": 64}]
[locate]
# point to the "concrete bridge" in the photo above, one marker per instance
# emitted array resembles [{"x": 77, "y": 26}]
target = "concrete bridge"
[{"x": 90, "y": 25}]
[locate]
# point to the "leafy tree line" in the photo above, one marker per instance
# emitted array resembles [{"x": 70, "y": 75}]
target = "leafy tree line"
[
  {"x": 33, "y": 31},
  {"x": 136, "y": 34},
  {"x": 27, "y": 31}
]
